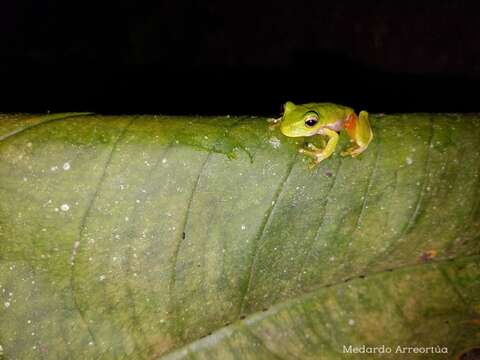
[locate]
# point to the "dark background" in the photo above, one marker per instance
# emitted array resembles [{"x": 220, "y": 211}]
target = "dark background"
[{"x": 245, "y": 57}]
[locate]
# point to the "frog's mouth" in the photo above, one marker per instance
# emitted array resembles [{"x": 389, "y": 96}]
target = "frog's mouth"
[{"x": 288, "y": 131}]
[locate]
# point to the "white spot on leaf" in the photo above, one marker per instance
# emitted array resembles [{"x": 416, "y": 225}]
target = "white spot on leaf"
[{"x": 275, "y": 142}]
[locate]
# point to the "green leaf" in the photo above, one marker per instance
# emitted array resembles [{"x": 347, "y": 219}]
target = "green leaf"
[{"x": 146, "y": 237}]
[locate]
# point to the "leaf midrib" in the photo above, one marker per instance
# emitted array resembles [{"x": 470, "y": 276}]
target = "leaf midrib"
[{"x": 260, "y": 315}]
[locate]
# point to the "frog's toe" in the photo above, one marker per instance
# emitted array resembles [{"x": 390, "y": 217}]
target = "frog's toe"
[
  {"x": 356, "y": 153},
  {"x": 353, "y": 151},
  {"x": 315, "y": 161}
]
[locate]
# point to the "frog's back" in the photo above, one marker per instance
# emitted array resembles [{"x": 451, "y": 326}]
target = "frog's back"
[{"x": 326, "y": 107}]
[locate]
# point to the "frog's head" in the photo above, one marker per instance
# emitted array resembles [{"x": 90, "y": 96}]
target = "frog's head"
[{"x": 299, "y": 120}]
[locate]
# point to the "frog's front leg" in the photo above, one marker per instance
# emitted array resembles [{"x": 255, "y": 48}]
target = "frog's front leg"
[
  {"x": 274, "y": 123},
  {"x": 321, "y": 154},
  {"x": 360, "y": 132}
]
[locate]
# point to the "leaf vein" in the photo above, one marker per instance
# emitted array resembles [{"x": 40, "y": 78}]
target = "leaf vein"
[
  {"x": 130, "y": 294},
  {"x": 369, "y": 184},
  {"x": 261, "y": 233},
  {"x": 421, "y": 195},
  {"x": 324, "y": 212},
  {"x": 173, "y": 278},
  {"x": 46, "y": 121},
  {"x": 82, "y": 229}
]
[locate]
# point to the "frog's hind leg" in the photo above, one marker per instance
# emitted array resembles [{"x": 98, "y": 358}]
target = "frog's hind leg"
[{"x": 360, "y": 132}]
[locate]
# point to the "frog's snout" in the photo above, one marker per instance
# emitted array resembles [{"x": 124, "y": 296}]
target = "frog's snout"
[
  {"x": 291, "y": 131},
  {"x": 288, "y": 131}
]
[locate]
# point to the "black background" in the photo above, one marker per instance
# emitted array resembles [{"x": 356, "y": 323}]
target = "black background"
[{"x": 242, "y": 57}]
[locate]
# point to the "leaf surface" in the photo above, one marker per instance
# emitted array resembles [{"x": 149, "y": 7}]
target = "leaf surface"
[{"x": 179, "y": 237}]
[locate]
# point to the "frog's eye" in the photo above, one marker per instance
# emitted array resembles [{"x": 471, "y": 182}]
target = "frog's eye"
[{"x": 311, "y": 120}]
